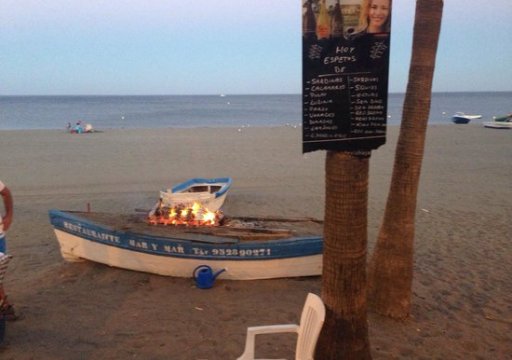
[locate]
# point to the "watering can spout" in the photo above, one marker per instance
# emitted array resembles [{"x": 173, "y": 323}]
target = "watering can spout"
[{"x": 218, "y": 273}]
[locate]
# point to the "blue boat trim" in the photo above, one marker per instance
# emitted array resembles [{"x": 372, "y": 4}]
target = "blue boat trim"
[
  {"x": 227, "y": 181},
  {"x": 185, "y": 248}
]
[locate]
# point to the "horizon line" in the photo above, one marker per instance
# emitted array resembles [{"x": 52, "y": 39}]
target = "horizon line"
[{"x": 227, "y": 94}]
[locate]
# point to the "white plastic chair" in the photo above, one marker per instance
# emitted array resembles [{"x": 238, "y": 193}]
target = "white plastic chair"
[{"x": 311, "y": 322}]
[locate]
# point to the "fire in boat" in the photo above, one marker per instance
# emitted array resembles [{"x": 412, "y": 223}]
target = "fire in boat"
[
  {"x": 195, "y": 202},
  {"x": 195, "y": 215}
]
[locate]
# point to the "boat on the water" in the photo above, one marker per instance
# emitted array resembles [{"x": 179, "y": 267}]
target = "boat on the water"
[
  {"x": 210, "y": 193},
  {"x": 500, "y": 122},
  {"x": 462, "y": 118},
  {"x": 247, "y": 248}
]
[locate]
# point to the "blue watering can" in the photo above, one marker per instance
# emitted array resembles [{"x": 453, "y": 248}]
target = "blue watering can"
[{"x": 204, "y": 276}]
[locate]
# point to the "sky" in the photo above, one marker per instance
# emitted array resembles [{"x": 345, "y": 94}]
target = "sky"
[{"x": 169, "y": 47}]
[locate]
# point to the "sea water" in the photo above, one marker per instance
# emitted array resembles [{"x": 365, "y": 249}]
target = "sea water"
[{"x": 116, "y": 112}]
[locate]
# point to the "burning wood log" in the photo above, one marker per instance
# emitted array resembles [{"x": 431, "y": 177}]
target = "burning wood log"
[{"x": 196, "y": 215}]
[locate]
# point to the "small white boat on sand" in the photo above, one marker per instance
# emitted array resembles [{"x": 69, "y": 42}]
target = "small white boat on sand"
[{"x": 209, "y": 193}]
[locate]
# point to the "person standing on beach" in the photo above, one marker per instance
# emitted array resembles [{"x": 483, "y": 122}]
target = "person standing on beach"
[
  {"x": 6, "y": 219},
  {"x": 5, "y": 223}
]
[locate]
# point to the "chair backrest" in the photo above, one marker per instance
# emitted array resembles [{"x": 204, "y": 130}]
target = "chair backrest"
[{"x": 311, "y": 322}]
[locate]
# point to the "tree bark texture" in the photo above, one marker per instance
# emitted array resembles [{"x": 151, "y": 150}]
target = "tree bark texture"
[
  {"x": 345, "y": 332},
  {"x": 391, "y": 266}
]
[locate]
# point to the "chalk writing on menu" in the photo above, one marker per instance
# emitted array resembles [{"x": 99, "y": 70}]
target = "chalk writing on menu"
[{"x": 345, "y": 75}]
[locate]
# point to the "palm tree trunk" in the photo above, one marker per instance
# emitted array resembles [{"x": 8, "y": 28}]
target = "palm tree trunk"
[
  {"x": 345, "y": 332},
  {"x": 391, "y": 267}
]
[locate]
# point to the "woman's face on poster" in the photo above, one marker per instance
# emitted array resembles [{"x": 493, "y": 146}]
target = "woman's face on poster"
[{"x": 378, "y": 13}]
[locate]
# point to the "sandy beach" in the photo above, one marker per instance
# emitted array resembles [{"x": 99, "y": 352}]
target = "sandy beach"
[{"x": 462, "y": 303}]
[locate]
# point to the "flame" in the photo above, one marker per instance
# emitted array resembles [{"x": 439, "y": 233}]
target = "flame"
[
  {"x": 195, "y": 215},
  {"x": 196, "y": 207}
]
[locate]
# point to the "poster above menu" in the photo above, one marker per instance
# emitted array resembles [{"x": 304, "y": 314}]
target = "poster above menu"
[{"x": 345, "y": 74}]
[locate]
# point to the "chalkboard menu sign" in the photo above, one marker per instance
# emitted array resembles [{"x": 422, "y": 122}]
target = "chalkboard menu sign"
[{"x": 345, "y": 74}]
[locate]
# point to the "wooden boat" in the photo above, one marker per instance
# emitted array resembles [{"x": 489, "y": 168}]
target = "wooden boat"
[
  {"x": 462, "y": 118},
  {"x": 246, "y": 248},
  {"x": 210, "y": 193}
]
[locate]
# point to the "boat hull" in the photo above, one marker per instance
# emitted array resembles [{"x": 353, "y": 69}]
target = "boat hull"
[
  {"x": 462, "y": 118},
  {"x": 210, "y": 193},
  {"x": 207, "y": 200},
  {"x": 81, "y": 239},
  {"x": 459, "y": 119},
  {"x": 498, "y": 125}
]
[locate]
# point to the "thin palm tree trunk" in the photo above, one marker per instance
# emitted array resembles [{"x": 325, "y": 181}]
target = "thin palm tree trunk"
[{"x": 391, "y": 266}]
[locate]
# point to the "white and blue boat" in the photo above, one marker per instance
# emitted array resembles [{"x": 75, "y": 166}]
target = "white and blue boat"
[
  {"x": 130, "y": 243},
  {"x": 210, "y": 193},
  {"x": 462, "y": 118}
]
